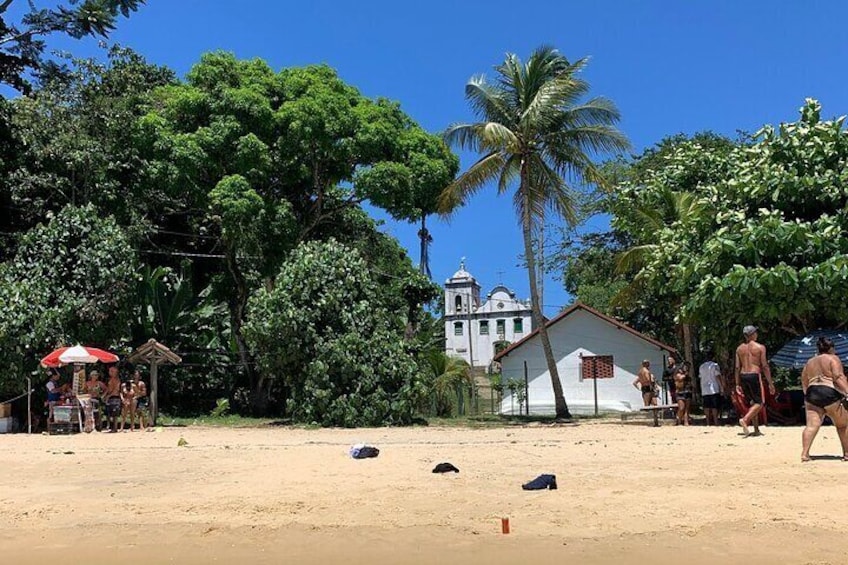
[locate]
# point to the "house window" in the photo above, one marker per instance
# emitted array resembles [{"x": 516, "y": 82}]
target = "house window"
[
  {"x": 597, "y": 367},
  {"x": 458, "y": 303},
  {"x": 518, "y": 325},
  {"x": 501, "y": 327},
  {"x": 457, "y": 328},
  {"x": 484, "y": 327}
]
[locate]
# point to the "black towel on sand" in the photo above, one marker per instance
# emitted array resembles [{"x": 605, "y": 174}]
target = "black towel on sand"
[
  {"x": 445, "y": 468},
  {"x": 541, "y": 482}
]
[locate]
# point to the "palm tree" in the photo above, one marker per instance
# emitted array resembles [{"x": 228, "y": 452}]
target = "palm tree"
[
  {"x": 536, "y": 135},
  {"x": 672, "y": 207},
  {"x": 447, "y": 376}
]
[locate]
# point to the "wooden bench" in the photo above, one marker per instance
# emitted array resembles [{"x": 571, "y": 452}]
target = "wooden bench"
[{"x": 655, "y": 411}]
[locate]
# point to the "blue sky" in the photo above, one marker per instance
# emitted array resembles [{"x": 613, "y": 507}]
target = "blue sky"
[{"x": 671, "y": 66}]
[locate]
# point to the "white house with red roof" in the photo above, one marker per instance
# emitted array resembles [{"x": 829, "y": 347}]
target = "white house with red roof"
[{"x": 586, "y": 344}]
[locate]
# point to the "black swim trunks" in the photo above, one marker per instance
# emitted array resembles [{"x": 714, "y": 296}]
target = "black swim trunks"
[
  {"x": 647, "y": 389},
  {"x": 711, "y": 401},
  {"x": 822, "y": 395},
  {"x": 751, "y": 388},
  {"x": 684, "y": 395},
  {"x": 142, "y": 403},
  {"x": 113, "y": 406}
]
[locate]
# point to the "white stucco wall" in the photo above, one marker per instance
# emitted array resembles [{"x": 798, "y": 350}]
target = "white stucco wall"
[{"x": 581, "y": 332}]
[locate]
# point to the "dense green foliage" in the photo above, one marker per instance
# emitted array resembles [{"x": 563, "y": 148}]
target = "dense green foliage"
[
  {"x": 325, "y": 333},
  {"x": 536, "y": 136},
  {"x": 22, "y": 42},
  {"x": 206, "y": 187},
  {"x": 716, "y": 235},
  {"x": 72, "y": 279}
]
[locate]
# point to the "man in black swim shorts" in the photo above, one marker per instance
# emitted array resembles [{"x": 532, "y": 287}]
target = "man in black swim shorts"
[{"x": 751, "y": 366}]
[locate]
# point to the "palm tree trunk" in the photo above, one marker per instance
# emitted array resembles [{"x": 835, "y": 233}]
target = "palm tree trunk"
[{"x": 536, "y": 307}]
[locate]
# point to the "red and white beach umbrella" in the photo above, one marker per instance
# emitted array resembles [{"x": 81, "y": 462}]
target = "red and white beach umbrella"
[{"x": 78, "y": 354}]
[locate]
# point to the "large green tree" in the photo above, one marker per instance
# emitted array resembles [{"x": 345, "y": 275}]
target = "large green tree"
[
  {"x": 261, "y": 161},
  {"x": 74, "y": 143},
  {"x": 771, "y": 247},
  {"x": 537, "y": 135},
  {"x": 325, "y": 333}
]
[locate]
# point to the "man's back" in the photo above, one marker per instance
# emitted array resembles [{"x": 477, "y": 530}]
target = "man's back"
[{"x": 749, "y": 357}]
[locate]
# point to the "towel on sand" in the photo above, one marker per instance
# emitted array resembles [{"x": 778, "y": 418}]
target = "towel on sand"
[
  {"x": 362, "y": 451},
  {"x": 541, "y": 482},
  {"x": 445, "y": 468}
]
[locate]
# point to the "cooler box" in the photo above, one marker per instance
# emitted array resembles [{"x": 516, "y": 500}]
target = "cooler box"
[
  {"x": 62, "y": 414},
  {"x": 6, "y": 425}
]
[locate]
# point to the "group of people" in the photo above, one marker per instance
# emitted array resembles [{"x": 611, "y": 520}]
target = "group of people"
[
  {"x": 823, "y": 381},
  {"x": 115, "y": 399},
  {"x": 678, "y": 381}
]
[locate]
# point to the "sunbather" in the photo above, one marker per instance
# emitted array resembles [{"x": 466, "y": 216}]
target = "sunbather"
[{"x": 825, "y": 387}]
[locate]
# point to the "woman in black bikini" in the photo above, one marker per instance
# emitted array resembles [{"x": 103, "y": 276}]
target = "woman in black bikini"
[{"x": 825, "y": 387}]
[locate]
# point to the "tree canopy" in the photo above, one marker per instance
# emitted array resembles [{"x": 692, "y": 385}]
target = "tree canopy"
[{"x": 23, "y": 40}]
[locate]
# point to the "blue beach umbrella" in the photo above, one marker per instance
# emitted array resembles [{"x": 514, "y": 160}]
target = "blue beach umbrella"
[{"x": 799, "y": 350}]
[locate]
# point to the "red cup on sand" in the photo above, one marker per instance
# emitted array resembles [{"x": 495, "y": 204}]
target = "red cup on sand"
[{"x": 504, "y": 525}]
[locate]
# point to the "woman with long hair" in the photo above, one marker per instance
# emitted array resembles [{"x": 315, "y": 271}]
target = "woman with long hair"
[{"x": 825, "y": 387}]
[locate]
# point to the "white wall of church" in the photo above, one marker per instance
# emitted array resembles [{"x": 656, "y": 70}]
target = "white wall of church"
[{"x": 472, "y": 328}]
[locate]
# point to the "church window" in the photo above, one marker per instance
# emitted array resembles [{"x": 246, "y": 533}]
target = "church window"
[
  {"x": 484, "y": 327},
  {"x": 458, "y": 303},
  {"x": 457, "y": 328},
  {"x": 501, "y": 327},
  {"x": 518, "y": 325}
]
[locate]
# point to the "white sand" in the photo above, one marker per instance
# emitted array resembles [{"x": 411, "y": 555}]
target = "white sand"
[{"x": 627, "y": 494}]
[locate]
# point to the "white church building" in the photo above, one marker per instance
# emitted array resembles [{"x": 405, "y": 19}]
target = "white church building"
[{"x": 474, "y": 329}]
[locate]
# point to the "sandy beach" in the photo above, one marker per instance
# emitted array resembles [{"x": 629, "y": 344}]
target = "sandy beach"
[{"x": 628, "y": 493}]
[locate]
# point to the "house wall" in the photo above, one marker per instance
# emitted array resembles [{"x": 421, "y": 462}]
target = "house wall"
[{"x": 581, "y": 333}]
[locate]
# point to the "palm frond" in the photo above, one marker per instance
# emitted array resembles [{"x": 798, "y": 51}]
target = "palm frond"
[
  {"x": 510, "y": 173},
  {"x": 459, "y": 191},
  {"x": 634, "y": 258},
  {"x": 595, "y": 139},
  {"x": 487, "y": 101},
  {"x": 463, "y": 136}
]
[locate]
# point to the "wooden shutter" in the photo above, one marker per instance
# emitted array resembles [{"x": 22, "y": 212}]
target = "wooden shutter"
[{"x": 598, "y": 367}]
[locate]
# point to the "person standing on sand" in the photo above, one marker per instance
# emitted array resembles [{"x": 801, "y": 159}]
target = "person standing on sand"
[
  {"x": 142, "y": 402},
  {"x": 645, "y": 382},
  {"x": 751, "y": 366},
  {"x": 825, "y": 387},
  {"x": 113, "y": 399},
  {"x": 712, "y": 388},
  {"x": 683, "y": 387},
  {"x": 668, "y": 378}
]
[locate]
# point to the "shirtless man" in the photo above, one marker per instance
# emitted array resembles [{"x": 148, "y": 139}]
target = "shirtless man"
[
  {"x": 112, "y": 397},
  {"x": 645, "y": 382},
  {"x": 751, "y": 366}
]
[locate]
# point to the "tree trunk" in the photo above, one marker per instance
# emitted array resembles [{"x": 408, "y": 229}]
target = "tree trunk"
[
  {"x": 424, "y": 235},
  {"x": 238, "y": 307},
  {"x": 688, "y": 346},
  {"x": 536, "y": 303}
]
